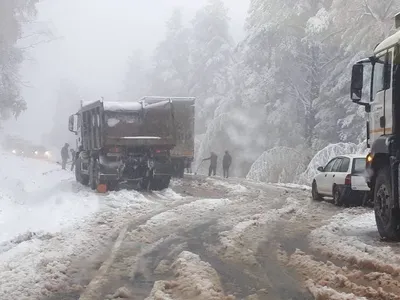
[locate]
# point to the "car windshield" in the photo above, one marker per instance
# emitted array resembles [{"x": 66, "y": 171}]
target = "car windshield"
[{"x": 359, "y": 165}]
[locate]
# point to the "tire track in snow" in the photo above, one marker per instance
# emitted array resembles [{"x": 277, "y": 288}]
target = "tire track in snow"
[{"x": 98, "y": 279}]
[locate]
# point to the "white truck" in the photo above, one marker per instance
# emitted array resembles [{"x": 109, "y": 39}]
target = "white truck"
[{"x": 383, "y": 130}]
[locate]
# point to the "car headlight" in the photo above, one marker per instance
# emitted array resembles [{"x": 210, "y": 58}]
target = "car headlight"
[
  {"x": 47, "y": 153},
  {"x": 14, "y": 151},
  {"x": 36, "y": 152}
]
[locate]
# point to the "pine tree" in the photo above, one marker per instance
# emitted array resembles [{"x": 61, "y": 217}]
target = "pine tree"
[
  {"x": 211, "y": 55},
  {"x": 136, "y": 83},
  {"x": 170, "y": 72}
]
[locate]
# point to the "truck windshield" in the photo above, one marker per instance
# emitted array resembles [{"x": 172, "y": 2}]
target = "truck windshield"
[{"x": 359, "y": 165}]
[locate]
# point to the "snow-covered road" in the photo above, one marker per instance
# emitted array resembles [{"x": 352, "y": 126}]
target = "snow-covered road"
[{"x": 200, "y": 239}]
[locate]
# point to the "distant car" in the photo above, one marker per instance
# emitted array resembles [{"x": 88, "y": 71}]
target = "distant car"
[
  {"x": 343, "y": 179},
  {"x": 25, "y": 148}
]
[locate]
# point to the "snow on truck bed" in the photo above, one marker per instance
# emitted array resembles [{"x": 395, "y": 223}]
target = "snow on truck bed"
[{"x": 117, "y": 106}]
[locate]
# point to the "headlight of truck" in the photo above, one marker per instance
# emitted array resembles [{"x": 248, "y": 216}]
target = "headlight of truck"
[{"x": 47, "y": 154}]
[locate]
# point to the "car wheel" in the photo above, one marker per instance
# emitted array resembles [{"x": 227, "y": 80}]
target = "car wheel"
[
  {"x": 337, "y": 196},
  {"x": 314, "y": 192}
]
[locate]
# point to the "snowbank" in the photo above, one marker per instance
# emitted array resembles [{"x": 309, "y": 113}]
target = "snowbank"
[
  {"x": 194, "y": 279},
  {"x": 37, "y": 196},
  {"x": 234, "y": 188},
  {"x": 50, "y": 225},
  {"x": 179, "y": 215},
  {"x": 279, "y": 164},
  {"x": 348, "y": 237}
]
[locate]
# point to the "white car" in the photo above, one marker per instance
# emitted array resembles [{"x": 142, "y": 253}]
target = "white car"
[{"x": 343, "y": 179}]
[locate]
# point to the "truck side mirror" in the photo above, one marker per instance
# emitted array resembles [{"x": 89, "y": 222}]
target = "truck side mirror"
[
  {"x": 73, "y": 123},
  {"x": 357, "y": 79}
]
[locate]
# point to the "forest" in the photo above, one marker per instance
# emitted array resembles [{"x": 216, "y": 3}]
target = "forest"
[
  {"x": 281, "y": 95},
  {"x": 278, "y": 99}
]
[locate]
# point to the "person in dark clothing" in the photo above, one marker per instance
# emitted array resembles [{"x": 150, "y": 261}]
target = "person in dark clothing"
[
  {"x": 64, "y": 155},
  {"x": 213, "y": 164},
  {"x": 73, "y": 157},
  {"x": 226, "y": 163},
  {"x": 188, "y": 165}
]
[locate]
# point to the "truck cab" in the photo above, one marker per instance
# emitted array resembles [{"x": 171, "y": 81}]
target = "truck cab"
[
  {"x": 383, "y": 128},
  {"x": 124, "y": 142}
]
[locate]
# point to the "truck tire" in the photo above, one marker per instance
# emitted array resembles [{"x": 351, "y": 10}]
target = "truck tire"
[
  {"x": 181, "y": 168},
  {"x": 160, "y": 183},
  {"x": 386, "y": 218},
  {"x": 112, "y": 185},
  {"x": 94, "y": 178},
  {"x": 81, "y": 178}
]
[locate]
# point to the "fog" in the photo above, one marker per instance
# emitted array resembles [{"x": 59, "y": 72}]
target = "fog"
[
  {"x": 280, "y": 86},
  {"x": 90, "y": 44}
]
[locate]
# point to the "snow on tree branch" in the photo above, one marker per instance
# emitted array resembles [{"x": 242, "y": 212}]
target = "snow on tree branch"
[{"x": 279, "y": 165}]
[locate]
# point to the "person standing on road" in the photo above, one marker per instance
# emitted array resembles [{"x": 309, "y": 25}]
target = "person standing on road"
[
  {"x": 73, "y": 158},
  {"x": 226, "y": 163},
  {"x": 213, "y": 164},
  {"x": 188, "y": 165},
  {"x": 64, "y": 155}
]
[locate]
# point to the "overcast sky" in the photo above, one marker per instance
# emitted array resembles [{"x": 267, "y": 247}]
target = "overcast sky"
[{"x": 94, "y": 40}]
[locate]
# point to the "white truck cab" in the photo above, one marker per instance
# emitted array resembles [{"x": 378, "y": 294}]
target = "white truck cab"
[{"x": 383, "y": 129}]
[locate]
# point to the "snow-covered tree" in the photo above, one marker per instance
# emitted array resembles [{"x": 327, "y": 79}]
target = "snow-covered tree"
[
  {"x": 13, "y": 15},
  {"x": 210, "y": 56},
  {"x": 286, "y": 84},
  {"x": 279, "y": 164},
  {"x": 170, "y": 73},
  {"x": 136, "y": 83}
]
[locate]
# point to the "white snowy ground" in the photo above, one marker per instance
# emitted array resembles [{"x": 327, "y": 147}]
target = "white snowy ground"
[
  {"x": 46, "y": 219},
  {"x": 358, "y": 261},
  {"x": 48, "y": 223}
]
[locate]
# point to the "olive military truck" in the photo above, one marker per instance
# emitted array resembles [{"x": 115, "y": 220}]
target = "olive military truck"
[
  {"x": 383, "y": 130},
  {"x": 182, "y": 154},
  {"x": 126, "y": 142}
]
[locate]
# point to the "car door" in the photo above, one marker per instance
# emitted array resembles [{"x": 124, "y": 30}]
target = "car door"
[
  {"x": 323, "y": 178},
  {"x": 334, "y": 176},
  {"x": 343, "y": 171}
]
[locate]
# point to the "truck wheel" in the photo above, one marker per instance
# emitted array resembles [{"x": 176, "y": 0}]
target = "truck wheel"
[
  {"x": 112, "y": 185},
  {"x": 78, "y": 174},
  {"x": 386, "y": 218},
  {"x": 314, "y": 192},
  {"x": 181, "y": 170},
  {"x": 94, "y": 174},
  {"x": 81, "y": 178},
  {"x": 160, "y": 183}
]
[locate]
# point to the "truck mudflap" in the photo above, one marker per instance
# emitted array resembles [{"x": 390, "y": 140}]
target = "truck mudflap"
[{"x": 163, "y": 169}]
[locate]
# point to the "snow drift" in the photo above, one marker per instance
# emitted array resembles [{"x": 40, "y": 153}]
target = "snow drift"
[
  {"x": 279, "y": 164},
  {"x": 37, "y": 196}
]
